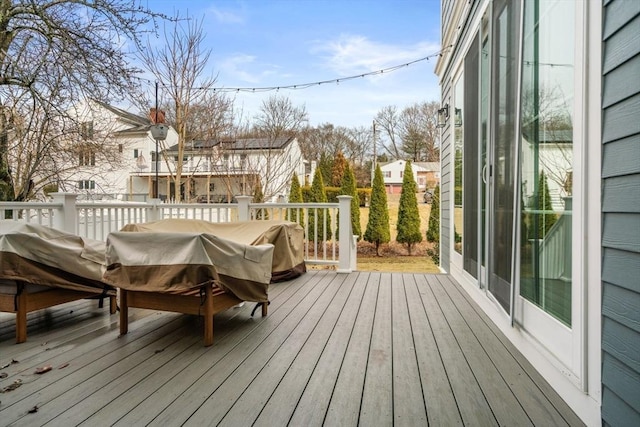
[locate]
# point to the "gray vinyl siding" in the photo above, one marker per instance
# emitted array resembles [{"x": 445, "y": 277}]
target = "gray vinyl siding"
[
  {"x": 446, "y": 150},
  {"x": 446, "y": 156},
  {"x": 446, "y": 9},
  {"x": 621, "y": 213}
]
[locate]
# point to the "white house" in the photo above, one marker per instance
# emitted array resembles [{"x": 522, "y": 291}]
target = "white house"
[
  {"x": 218, "y": 170},
  {"x": 113, "y": 146},
  {"x": 425, "y": 174},
  {"x": 548, "y": 88}
]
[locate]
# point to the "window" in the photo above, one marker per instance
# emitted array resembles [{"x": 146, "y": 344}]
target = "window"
[
  {"x": 86, "y": 130},
  {"x": 87, "y": 158},
  {"x": 136, "y": 153},
  {"x": 86, "y": 184},
  {"x": 401, "y": 174},
  {"x": 546, "y": 157},
  {"x": 387, "y": 174},
  {"x": 120, "y": 148}
]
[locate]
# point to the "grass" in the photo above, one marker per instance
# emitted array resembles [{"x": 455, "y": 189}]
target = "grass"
[{"x": 394, "y": 256}]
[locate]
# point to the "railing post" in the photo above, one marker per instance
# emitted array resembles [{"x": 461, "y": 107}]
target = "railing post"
[
  {"x": 153, "y": 212},
  {"x": 243, "y": 207},
  {"x": 66, "y": 217},
  {"x": 345, "y": 234}
]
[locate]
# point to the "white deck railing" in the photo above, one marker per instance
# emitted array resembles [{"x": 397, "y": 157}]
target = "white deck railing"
[{"x": 96, "y": 219}]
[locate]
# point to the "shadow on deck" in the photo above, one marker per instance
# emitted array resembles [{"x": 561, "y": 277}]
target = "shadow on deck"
[{"x": 363, "y": 348}]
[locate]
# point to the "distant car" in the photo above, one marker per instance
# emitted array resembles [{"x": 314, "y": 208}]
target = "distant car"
[{"x": 428, "y": 196}]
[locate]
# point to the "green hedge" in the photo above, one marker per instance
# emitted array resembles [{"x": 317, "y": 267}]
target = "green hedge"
[{"x": 333, "y": 192}]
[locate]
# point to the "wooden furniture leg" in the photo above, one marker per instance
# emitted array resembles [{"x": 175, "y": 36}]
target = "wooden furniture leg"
[
  {"x": 21, "y": 318},
  {"x": 113, "y": 304},
  {"x": 124, "y": 313},
  {"x": 208, "y": 316}
]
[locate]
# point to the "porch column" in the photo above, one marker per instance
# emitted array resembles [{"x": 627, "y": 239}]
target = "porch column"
[
  {"x": 65, "y": 218},
  {"x": 243, "y": 207},
  {"x": 345, "y": 237}
]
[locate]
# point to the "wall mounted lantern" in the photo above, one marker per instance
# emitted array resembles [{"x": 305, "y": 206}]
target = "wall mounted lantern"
[
  {"x": 443, "y": 115},
  {"x": 457, "y": 117}
]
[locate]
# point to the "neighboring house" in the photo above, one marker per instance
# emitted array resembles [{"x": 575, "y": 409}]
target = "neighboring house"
[
  {"x": 219, "y": 170},
  {"x": 114, "y": 148},
  {"x": 548, "y": 87},
  {"x": 426, "y": 175}
]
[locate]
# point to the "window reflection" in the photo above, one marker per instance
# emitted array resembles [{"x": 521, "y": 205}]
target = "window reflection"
[{"x": 546, "y": 157}]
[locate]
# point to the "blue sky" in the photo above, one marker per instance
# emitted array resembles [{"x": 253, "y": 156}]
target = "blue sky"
[{"x": 285, "y": 42}]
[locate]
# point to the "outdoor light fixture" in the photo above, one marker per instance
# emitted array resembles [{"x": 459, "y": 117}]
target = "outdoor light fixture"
[
  {"x": 443, "y": 115},
  {"x": 457, "y": 117},
  {"x": 159, "y": 132}
]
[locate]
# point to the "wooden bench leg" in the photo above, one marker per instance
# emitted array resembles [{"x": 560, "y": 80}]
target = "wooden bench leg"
[
  {"x": 264, "y": 308},
  {"x": 124, "y": 313},
  {"x": 21, "y": 318},
  {"x": 208, "y": 316}
]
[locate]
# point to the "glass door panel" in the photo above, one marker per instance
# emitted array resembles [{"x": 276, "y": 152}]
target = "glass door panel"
[
  {"x": 503, "y": 150},
  {"x": 459, "y": 165},
  {"x": 471, "y": 175},
  {"x": 547, "y": 156}
]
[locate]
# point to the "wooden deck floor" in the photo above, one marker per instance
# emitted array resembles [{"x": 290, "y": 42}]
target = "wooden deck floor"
[{"x": 370, "y": 349}]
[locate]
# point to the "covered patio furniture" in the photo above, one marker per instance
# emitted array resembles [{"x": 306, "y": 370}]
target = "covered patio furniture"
[
  {"x": 287, "y": 238},
  {"x": 186, "y": 272},
  {"x": 41, "y": 267}
]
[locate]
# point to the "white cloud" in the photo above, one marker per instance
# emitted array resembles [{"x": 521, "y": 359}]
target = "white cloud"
[
  {"x": 226, "y": 16},
  {"x": 352, "y": 54},
  {"x": 242, "y": 69}
]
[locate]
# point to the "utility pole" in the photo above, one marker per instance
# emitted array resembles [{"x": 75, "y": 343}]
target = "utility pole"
[{"x": 375, "y": 156}]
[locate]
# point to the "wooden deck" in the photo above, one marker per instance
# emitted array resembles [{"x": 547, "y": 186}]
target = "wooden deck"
[{"x": 370, "y": 349}]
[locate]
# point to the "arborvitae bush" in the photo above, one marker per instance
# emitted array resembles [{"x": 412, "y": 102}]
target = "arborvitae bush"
[
  {"x": 433, "y": 230},
  {"x": 295, "y": 196},
  {"x": 320, "y": 217},
  {"x": 348, "y": 188},
  {"x": 339, "y": 168},
  {"x": 548, "y": 218},
  {"x": 258, "y": 197},
  {"x": 408, "y": 226},
  {"x": 378, "y": 225}
]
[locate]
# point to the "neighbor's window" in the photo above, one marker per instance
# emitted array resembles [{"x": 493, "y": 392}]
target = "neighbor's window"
[
  {"x": 87, "y": 158},
  {"x": 86, "y": 184},
  {"x": 86, "y": 130}
]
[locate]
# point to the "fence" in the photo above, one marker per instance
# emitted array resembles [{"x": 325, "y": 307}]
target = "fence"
[{"x": 96, "y": 219}]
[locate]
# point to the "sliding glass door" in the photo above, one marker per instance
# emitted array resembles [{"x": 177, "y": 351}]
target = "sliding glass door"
[{"x": 502, "y": 151}]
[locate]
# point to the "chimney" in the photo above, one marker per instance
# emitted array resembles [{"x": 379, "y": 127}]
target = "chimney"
[{"x": 153, "y": 116}]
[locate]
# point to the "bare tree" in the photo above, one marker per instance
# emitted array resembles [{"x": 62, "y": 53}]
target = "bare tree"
[
  {"x": 180, "y": 66},
  {"x": 52, "y": 54},
  {"x": 411, "y": 133},
  {"x": 418, "y": 131},
  {"x": 277, "y": 122},
  {"x": 387, "y": 120}
]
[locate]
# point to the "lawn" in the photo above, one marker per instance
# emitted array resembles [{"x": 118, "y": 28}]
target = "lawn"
[{"x": 394, "y": 256}]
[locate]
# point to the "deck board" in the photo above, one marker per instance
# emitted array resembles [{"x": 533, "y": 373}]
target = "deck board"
[
  {"x": 440, "y": 402},
  {"x": 344, "y": 406},
  {"x": 365, "y": 348}
]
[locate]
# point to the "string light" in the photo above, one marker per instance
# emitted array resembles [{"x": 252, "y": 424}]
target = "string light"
[{"x": 336, "y": 81}]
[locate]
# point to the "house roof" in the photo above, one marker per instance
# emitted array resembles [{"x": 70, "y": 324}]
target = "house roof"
[
  {"x": 550, "y": 136},
  {"x": 238, "y": 144},
  {"x": 138, "y": 123},
  {"x": 416, "y": 166}
]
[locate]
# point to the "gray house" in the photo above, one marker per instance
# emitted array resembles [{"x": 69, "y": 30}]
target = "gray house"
[{"x": 540, "y": 186}]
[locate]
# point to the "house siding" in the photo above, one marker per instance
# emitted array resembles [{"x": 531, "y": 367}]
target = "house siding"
[
  {"x": 621, "y": 214},
  {"x": 445, "y": 184}
]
